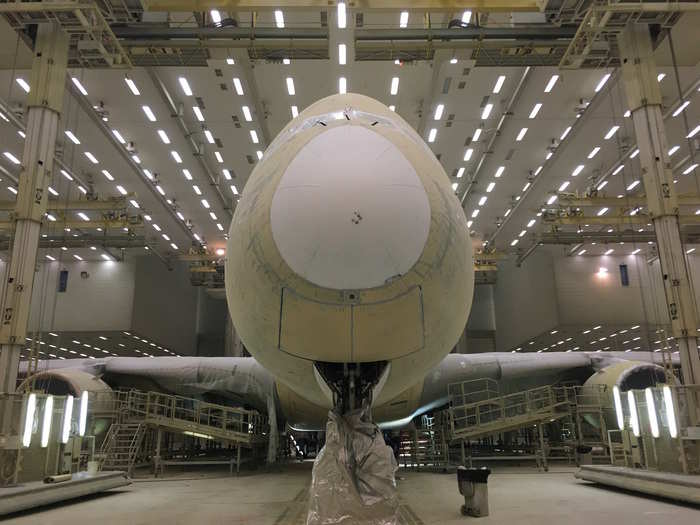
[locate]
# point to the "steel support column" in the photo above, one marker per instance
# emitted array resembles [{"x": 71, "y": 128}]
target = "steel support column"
[
  {"x": 44, "y": 103},
  {"x": 644, "y": 99}
]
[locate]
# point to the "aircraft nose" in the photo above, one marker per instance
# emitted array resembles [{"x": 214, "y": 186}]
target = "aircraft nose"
[{"x": 350, "y": 211}]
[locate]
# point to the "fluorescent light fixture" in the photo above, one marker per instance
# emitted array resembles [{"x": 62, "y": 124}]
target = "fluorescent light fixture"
[
  {"x": 295, "y": 111},
  {"x": 468, "y": 153},
  {"x": 514, "y": 242},
  {"x": 582, "y": 252},
  {"x": 551, "y": 200},
  {"x": 218, "y": 225},
  {"x": 66, "y": 175},
  {"x": 160, "y": 189},
  {"x": 432, "y": 134},
  {"x": 215, "y": 16},
  {"x": 205, "y": 203},
  {"x": 618, "y": 169},
  {"x": 77, "y": 256},
  {"x": 118, "y": 136},
  {"x": 83, "y": 216},
  {"x": 634, "y": 153},
  {"x": 694, "y": 132},
  {"x": 82, "y": 420},
  {"x": 392, "y": 107},
  {"x": 80, "y": 87},
  {"x": 134, "y": 203},
  {"x": 185, "y": 86},
  {"x": 594, "y": 152},
  {"x": 342, "y": 16},
  {"x": 72, "y": 137},
  {"x": 469, "y": 223},
  {"x": 279, "y": 19},
  {"x": 196, "y": 189},
  {"x": 149, "y": 114},
  {"x": 602, "y": 211},
  {"x": 246, "y": 113},
  {"x": 522, "y": 233},
  {"x": 136, "y": 159},
  {"x": 537, "y": 171},
  {"x": 29, "y": 420},
  {"x": 230, "y": 61},
  {"x": 531, "y": 223},
  {"x": 482, "y": 200},
  {"x": 521, "y": 134},
  {"x": 238, "y": 86},
  {"x": 163, "y": 136},
  {"x": 690, "y": 168},
  {"x": 176, "y": 157},
  {"x": 602, "y": 82},
  {"x": 173, "y": 246},
  {"x": 121, "y": 190},
  {"x": 234, "y": 190},
  {"x": 673, "y": 150},
  {"x": 651, "y": 412},
  {"x": 602, "y": 185},
  {"x": 226, "y": 173},
  {"x": 486, "y": 111},
  {"x": 535, "y": 110},
  {"x": 342, "y": 54},
  {"x": 566, "y": 132},
  {"x": 564, "y": 185},
  {"x": 198, "y": 113},
  {"x": 91, "y": 157},
  {"x": 132, "y": 86},
  {"x": 490, "y": 187},
  {"x": 156, "y": 227},
  {"x": 618, "y": 408},
  {"x": 499, "y": 171},
  {"x": 403, "y": 19},
  {"x": 12, "y": 189},
  {"x": 466, "y": 17},
  {"x": 219, "y": 158},
  {"x": 499, "y": 83},
  {"x": 475, "y": 214},
  {"x": 477, "y": 134},
  {"x": 550, "y": 84},
  {"x": 23, "y": 84},
  {"x": 254, "y": 136},
  {"x": 681, "y": 108},
  {"x": 148, "y": 174},
  {"x": 670, "y": 412},
  {"x": 394, "y": 89},
  {"x": 609, "y": 251},
  {"x": 342, "y": 85},
  {"x": 438, "y": 111},
  {"x": 578, "y": 169},
  {"x": 660, "y": 77},
  {"x": 259, "y": 154},
  {"x": 290, "y": 86},
  {"x": 633, "y": 185},
  {"x": 213, "y": 216},
  {"x": 11, "y": 157},
  {"x": 527, "y": 185},
  {"x": 209, "y": 136},
  {"x": 611, "y": 132},
  {"x": 460, "y": 172},
  {"x": 635, "y": 252},
  {"x": 187, "y": 174},
  {"x": 108, "y": 175},
  {"x": 67, "y": 417}
]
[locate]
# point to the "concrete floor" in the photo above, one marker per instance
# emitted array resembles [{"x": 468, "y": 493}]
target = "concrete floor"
[{"x": 517, "y": 495}]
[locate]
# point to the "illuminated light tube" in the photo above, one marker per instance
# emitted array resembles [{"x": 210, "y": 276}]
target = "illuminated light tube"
[
  {"x": 82, "y": 421},
  {"x": 634, "y": 419},
  {"x": 46, "y": 422},
  {"x": 67, "y": 416},
  {"x": 670, "y": 412},
  {"x": 29, "y": 420},
  {"x": 651, "y": 412}
]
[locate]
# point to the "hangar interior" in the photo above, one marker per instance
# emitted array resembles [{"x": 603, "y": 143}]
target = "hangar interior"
[{"x": 174, "y": 324}]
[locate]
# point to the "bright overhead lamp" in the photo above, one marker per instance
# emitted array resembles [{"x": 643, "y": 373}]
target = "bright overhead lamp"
[
  {"x": 163, "y": 136},
  {"x": 196, "y": 189},
  {"x": 608, "y": 252},
  {"x": 295, "y": 111},
  {"x": 66, "y": 175},
  {"x": 132, "y": 86},
  {"x": 187, "y": 174},
  {"x": 83, "y": 216},
  {"x": 594, "y": 152},
  {"x": 602, "y": 211},
  {"x": 160, "y": 189},
  {"x": 513, "y": 243},
  {"x": 218, "y": 225},
  {"x": 578, "y": 169},
  {"x": 342, "y": 16},
  {"x": 521, "y": 135},
  {"x": 213, "y": 216},
  {"x": 254, "y": 136},
  {"x": 564, "y": 185},
  {"x": 618, "y": 169},
  {"x": 23, "y": 84},
  {"x": 531, "y": 223},
  {"x": 53, "y": 192},
  {"x": 77, "y": 256},
  {"x": 602, "y": 185},
  {"x": 205, "y": 203},
  {"x": 118, "y": 136},
  {"x": 394, "y": 89},
  {"x": 438, "y": 111},
  {"x": 136, "y": 159},
  {"x": 460, "y": 173},
  {"x": 219, "y": 158},
  {"x": 550, "y": 84},
  {"x": 673, "y": 150},
  {"x": 611, "y": 132},
  {"x": 230, "y": 61},
  {"x": 12, "y": 189},
  {"x": 342, "y": 85},
  {"x": 633, "y": 185},
  {"x": 551, "y": 200},
  {"x": 135, "y": 204},
  {"x": 432, "y": 134},
  {"x": 215, "y": 16},
  {"x": 681, "y": 108},
  {"x": 634, "y": 418},
  {"x": 660, "y": 77},
  {"x": 565, "y": 133},
  {"x": 482, "y": 200},
  {"x": 468, "y": 154},
  {"x": 342, "y": 54},
  {"x": 81, "y": 88},
  {"x": 176, "y": 157},
  {"x": 198, "y": 113},
  {"x": 91, "y": 157},
  {"x": 290, "y": 86},
  {"x": 634, "y": 153},
  {"x": 121, "y": 190},
  {"x": 690, "y": 169},
  {"x": 148, "y": 174},
  {"x": 72, "y": 137},
  {"x": 535, "y": 110},
  {"x": 279, "y": 19},
  {"x": 226, "y": 173},
  {"x": 107, "y": 175},
  {"x": 475, "y": 214},
  {"x": 694, "y": 132},
  {"x": 185, "y": 86},
  {"x": 67, "y": 417},
  {"x": 209, "y": 136},
  {"x": 234, "y": 190},
  {"x": 286, "y": 61},
  {"x": 499, "y": 83},
  {"x": 486, "y": 111},
  {"x": 246, "y": 113},
  {"x": 499, "y": 171},
  {"x": 403, "y": 19},
  {"x": 476, "y": 135},
  {"x": 466, "y": 17},
  {"x": 238, "y": 86},
  {"x": 149, "y": 114},
  {"x": 259, "y": 154},
  {"x": 602, "y": 82},
  {"x": 392, "y": 107}
]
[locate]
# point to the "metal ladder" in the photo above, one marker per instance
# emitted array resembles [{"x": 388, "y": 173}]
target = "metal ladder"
[{"x": 121, "y": 446}]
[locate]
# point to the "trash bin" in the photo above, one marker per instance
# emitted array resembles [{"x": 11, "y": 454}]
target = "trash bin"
[
  {"x": 473, "y": 485},
  {"x": 585, "y": 454}
]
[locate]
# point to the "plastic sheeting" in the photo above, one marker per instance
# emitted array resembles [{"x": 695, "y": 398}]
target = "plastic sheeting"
[{"x": 353, "y": 476}]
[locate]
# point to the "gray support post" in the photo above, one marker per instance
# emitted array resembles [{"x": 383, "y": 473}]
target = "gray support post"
[
  {"x": 644, "y": 99},
  {"x": 45, "y": 104}
]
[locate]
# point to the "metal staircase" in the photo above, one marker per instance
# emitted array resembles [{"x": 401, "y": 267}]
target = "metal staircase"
[{"x": 121, "y": 446}]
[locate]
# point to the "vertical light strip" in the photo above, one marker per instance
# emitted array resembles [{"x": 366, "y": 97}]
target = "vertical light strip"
[
  {"x": 29, "y": 420},
  {"x": 46, "y": 421},
  {"x": 82, "y": 423},
  {"x": 651, "y": 412},
  {"x": 618, "y": 407},
  {"x": 67, "y": 417},
  {"x": 634, "y": 419}
]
